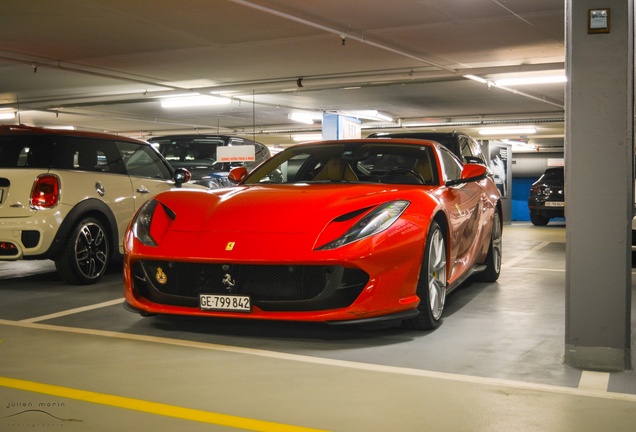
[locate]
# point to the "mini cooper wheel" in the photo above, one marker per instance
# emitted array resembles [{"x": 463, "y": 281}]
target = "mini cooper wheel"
[
  {"x": 86, "y": 255},
  {"x": 432, "y": 284}
]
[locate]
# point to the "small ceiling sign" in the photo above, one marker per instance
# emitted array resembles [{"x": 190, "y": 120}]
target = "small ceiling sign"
[{"x": 598, "y": 21}]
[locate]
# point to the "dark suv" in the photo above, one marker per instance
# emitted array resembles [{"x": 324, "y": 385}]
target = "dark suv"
[
  {"x": 198, "y": 154},
  {"x": 464, "y": 146},
  {"x": 547, "y": 198}
]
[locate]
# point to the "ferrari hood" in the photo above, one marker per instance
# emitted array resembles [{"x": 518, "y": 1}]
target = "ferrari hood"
[
  {"x": 268, "y": 222},
  {"x": 273, "y": 208}
]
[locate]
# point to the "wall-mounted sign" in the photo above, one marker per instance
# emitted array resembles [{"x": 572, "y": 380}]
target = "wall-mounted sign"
[
  {"x": 598, "y": 20},
  {"x": 241, "y": 153}
]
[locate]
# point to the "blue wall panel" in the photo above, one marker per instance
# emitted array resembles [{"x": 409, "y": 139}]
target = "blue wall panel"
[{"x": 520, "y": 194}]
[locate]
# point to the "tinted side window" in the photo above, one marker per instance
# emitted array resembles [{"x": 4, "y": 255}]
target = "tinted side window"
[
  {"x": 143, "y": 161},
  {"x": 31, "y": 151},
  {"x": 450, "y": 165},
  {"x": 90, "y": 154},
  {"x": 476, "y": 149},
  {"x": 465, "y": 148}
]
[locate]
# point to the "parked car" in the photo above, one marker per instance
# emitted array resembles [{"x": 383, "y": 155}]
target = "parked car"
[
  {"x": 198, "y": 154},
  {"x": 461, "y": 144},
  {"x": 547, "y": 197},
  {"x": 68, "y": 196},
  {"x": 348, "y": 231}
]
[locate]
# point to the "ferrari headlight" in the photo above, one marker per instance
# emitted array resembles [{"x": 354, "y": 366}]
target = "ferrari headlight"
[
  {"x": 375, "y": 222},
  {"x": 142, "y": 221}
]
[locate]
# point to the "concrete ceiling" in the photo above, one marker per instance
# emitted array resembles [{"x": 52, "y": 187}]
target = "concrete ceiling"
[{"x": 103, "y": 64}]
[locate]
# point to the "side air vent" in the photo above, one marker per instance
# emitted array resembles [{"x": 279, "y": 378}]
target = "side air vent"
[{"x": 30, "y": 239}]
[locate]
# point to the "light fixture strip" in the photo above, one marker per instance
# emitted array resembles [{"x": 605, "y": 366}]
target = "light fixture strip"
[
  {"x": 553, "y": 79},
  {"x": 193, "y": 101},
  {"x": 518, "y": 130}
]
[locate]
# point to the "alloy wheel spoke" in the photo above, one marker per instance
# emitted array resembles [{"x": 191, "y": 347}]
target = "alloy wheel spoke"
[{"x": 437, "y": 275}]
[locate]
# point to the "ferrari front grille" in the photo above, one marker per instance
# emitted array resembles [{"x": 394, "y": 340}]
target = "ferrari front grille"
[{"x": 271, "y": 287}]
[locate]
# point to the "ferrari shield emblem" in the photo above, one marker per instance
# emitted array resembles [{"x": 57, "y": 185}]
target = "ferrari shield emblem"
[
  {"x": 161, "y": 277},
  {"x": 229, "y": 246}
]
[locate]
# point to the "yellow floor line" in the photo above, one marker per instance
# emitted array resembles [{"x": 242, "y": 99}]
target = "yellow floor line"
[{"x": 152, "y": 407}]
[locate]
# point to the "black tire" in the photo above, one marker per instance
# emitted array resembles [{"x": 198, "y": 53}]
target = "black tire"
[
  {"x": 539, "y": 220},
  {"x": 432, "y": 283},
  {"x": 493, "y": 259},
  {"x": 86, "y": 255}
]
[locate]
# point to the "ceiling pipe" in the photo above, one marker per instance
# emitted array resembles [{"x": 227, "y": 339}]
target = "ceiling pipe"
[
  {"x": 278, "y": 86},
  {"x": 341, "y": 34},
  {"x": 57, "y": 65},
  {"x": 384, "y": 47}
]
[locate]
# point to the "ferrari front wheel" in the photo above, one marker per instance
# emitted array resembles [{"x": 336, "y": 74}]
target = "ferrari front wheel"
[{"x": 432, "y": 284}]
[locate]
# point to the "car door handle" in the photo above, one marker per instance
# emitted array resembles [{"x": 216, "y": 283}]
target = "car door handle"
[{"x": 143, "y": 190}]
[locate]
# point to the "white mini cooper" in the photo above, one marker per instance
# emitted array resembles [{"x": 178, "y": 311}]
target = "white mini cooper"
[{"x": 68, "y": 196}]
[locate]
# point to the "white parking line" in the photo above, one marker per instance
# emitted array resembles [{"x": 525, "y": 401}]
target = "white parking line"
[
  {"x": 73, "y": 311},
  {"x": 332, "y": 362},
  {"x": 539, "y": 269},
  {"x": 524, "y": 255},
  {"x": 594, "y": 381}
]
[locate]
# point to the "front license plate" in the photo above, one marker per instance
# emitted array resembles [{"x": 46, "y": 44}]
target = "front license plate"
[
  {"x": 554, "y": 204},
  {"x": 235, "y": 303}
]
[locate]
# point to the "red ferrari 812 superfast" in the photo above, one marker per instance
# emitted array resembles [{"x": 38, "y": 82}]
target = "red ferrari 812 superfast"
[{"x": 342, "y": 232}]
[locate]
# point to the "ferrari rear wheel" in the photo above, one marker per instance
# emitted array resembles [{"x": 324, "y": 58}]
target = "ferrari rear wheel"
[
  {"x": 493, "y": 259},
  {"x": 432, "y": 284}
]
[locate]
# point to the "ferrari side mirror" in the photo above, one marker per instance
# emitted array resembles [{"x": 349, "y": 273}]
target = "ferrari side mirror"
[{"x": 237, "y": 174}]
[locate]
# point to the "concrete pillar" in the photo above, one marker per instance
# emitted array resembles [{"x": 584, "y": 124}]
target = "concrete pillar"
[{"x": 599, "y": 160}]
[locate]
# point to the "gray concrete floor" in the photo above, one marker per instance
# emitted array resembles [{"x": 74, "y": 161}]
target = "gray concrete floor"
[{"x": 72, "y": 358}]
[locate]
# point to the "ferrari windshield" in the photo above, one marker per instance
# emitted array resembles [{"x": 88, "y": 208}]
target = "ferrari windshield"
[{"x": 349, "y": 163}]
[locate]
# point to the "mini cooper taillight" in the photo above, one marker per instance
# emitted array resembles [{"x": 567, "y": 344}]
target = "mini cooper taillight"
[{"x": 45, "y": 192}]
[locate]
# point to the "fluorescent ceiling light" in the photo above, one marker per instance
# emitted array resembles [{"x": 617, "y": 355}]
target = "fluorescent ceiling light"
[
  {"x": 193, "y": 101},
  {"x": 476, "y": 78},
  {"x": 519, "y": 144},
  {"x": 172, "y": 95},
  {"x": 369, "y": 115},
  {"x": 531, "y": 80},
  {"x": 306, "y": 118},
  {"x": 60, "y": 127},
  {"x": 7, "y": 115},
  {"x": 516, "y": 130},
  {"x": 307, "y": 137}
]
